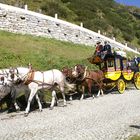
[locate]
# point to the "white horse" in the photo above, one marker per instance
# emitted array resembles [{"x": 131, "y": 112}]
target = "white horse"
[{"x": 41, "y": 80}]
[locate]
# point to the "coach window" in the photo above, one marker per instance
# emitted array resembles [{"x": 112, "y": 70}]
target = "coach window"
[
  {"x": 118, "y": 66},
  {"x": 110, "y": 63},
  {"x": 103, "y": 66},
  {"x": 124, "y": 64}
]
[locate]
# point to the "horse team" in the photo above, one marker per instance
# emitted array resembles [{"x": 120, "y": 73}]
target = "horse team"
[{"x": 22, "y": 80}]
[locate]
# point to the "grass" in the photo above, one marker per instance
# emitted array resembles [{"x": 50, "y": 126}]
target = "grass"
[
  {"x": 135, "y": 138},
  {"x": 43, "y": 53}
]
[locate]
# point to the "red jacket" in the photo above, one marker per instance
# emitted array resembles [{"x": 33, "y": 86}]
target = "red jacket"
[{"x": 99, "y": 48}]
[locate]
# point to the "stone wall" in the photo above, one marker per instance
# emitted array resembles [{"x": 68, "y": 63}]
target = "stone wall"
[{"x": 23, "y": 21}]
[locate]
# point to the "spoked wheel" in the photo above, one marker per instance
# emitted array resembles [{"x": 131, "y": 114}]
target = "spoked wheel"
[
  {"x": 137, "y": 80},
  {"x": 121, "y": 86}
]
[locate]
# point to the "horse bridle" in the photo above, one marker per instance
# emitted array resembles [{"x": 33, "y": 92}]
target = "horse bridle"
[
  {"x": 2, "y": 79},
  {"x": 81, "y": 76}
]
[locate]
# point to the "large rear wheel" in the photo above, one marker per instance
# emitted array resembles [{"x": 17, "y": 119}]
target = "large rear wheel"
[
  {"x": 121, "y": 86},
  {"x": 137, "y": 80}
]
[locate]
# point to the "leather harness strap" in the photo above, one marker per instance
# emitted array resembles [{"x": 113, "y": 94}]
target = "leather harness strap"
[
  {"x": 30, "y": 77},
  {"x": 87, "y": 77}
]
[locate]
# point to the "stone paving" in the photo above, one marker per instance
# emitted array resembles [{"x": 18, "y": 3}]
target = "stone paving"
[{"x": 111, "y": 117}]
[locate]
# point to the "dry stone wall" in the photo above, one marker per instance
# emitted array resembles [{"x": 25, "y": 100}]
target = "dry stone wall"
[{"x": 23, "y": 21}]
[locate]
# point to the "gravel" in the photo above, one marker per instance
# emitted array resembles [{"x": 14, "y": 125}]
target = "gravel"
[{"x": 111, "y": 117}]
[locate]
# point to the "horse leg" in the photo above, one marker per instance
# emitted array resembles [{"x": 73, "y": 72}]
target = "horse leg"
[
  {"x": 32, "y": 94},
  {"x": 57, "y": 101},
  {"x": 16, "y": 106},
  {"x": 83, "y": 91},
  {"x": 63, "y": 94},
  {"x": 99, "y": 93},
  {"x": 102, "y": 92},
  {"x": 39, "y": 103},
  {"x": 65, "y": 103},
  {"x": 89, "y": 88},
  {"x": 14, "y": 95},
  {"x": 53, "y": 99},
  {"x": 101, "y": 88},
  {"x": 9, "y": 103},
  {"x": 70, "y": 98}
]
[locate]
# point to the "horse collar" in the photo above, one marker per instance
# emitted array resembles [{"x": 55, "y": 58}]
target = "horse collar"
[{"x": 30, "y": 77}]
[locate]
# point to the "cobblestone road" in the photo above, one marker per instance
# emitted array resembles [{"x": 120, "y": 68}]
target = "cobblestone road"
[{"x": 111, "y": 117}]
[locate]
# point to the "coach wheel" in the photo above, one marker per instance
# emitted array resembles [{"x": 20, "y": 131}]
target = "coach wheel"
[
  {"x": 137, "y": 80},
  {"x": 121, "y": 86}
]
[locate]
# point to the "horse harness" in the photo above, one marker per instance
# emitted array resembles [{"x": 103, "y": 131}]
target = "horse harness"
[
  {"x": 30, "y": 78},
  {"x": 86, "y": 75}
]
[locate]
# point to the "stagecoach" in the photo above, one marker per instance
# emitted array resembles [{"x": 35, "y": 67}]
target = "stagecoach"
[{"x": 118, "y": 71}]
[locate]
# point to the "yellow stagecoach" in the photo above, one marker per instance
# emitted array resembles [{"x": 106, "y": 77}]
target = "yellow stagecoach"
[{"x": 117, "y": 71}]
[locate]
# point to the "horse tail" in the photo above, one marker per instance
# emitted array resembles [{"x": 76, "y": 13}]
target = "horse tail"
[{"x": 70, "y": 86}]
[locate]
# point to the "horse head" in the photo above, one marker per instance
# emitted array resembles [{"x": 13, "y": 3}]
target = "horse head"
[
  {"x": 6, "y": 80},
  {"x": 79, "y": 71},
  {"x": 12, "y": 75},
  {"x": 68, "y": 74},
  {"x": 2, "y": 80},
  {"x": 17, "y": 75},
  {"x": 67, "y": 71},
  {"x": 5, "y": 89},
  {"x": 4, "y": 76}
]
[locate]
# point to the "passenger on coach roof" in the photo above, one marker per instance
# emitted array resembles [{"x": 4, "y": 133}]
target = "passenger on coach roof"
[
  {"x": 107, "y": 48},
  {"x": 99, "y": 49}
]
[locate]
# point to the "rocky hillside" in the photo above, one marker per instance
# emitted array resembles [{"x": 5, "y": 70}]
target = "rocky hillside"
[{"x": 113, "y": 19}]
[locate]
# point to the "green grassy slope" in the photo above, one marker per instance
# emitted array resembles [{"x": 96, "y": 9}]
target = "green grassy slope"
[
  {"x": 135, "y": 138},
  {"x": 43, "y": 53}
]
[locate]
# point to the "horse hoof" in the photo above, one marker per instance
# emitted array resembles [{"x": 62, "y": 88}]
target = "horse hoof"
[
  {"x": 57, "y": 103},
  {"x": 26, "y": 114},
  {"x": 9, "y": 111},
  {"x": 51, "y": 108},
  {"x": 70, "y": 98},
  {"x": 18, "y": 110}
]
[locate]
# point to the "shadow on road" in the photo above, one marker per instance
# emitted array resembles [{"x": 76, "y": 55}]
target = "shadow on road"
[{"x": 135, "y": 126}]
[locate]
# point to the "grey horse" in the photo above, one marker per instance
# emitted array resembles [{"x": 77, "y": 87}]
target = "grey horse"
[{"x": 13, "y": 91}]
